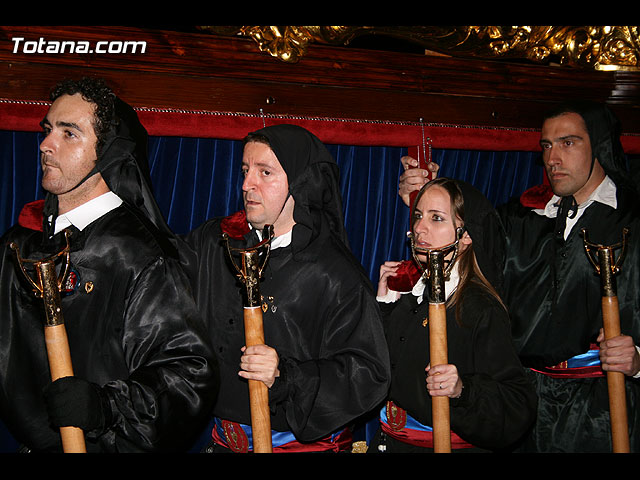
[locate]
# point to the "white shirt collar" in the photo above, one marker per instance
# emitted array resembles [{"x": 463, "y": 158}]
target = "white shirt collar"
[
  {"x": 88, "y": 212},
  {"x": 281, "y": 241},
  {"x": 605, "y": 193}
]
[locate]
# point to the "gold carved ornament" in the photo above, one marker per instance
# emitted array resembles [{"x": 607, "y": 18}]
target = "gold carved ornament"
[{"x": 594, "y": 47}]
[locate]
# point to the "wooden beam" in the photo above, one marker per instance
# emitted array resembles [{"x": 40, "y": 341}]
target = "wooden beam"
[{"x": 200, "y": 71}]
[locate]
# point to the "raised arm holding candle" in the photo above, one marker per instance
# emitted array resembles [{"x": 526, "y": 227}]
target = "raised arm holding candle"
[{"x": 552, "y": 292}]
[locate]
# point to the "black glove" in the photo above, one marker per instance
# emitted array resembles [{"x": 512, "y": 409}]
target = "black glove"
[{"x": 72, "y": 401}]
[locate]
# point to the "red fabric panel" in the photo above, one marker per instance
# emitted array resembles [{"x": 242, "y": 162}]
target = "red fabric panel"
[
  {"x": 22, "y": 116},
  {"x": 26, "y": 116}
]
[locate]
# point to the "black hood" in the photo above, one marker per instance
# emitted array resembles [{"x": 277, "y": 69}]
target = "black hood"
[
  {"x": 122, "y": 161},
  {"x": 487, "y": 232},
  {"x": 604, "y": 130},
  {"x": 314, "y": 184}
]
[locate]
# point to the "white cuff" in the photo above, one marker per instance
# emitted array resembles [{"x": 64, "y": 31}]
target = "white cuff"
[{"x": 390, "y": 297}]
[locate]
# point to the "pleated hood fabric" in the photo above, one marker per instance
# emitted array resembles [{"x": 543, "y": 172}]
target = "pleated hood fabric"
[
  {"x": 487, "y": 232},
  {"x": 604, "y": 133}
]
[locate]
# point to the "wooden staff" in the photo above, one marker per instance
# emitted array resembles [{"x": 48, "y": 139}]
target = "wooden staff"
[
  {"x": 47, "y": 287},
  {"x": 607, "y": 267},
  {"x": 438, "y": 350},
  {"x": 436, "y": 273},
  {"x": 249, "y": 273}
]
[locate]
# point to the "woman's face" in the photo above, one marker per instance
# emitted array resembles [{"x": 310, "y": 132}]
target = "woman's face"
[{"x": 434, "y": 222}]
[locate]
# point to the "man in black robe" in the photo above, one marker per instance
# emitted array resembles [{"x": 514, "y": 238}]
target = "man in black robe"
[
  {"x": 325, "y": 360},
  {"x": 144, "y": 373},
  {"x": 552, "y": 290}
]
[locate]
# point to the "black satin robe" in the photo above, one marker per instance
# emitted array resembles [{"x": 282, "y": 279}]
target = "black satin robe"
[
  {"x": 137, "y": 334},
  {"x": 498, "y": 402},
  {"x": 554, "y": 299},
  {"x": 321, "y": 317}
]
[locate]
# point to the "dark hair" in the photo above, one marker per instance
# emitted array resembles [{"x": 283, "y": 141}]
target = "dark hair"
[
  {"x": 561, "y": 109},
  {"x": 256, "y": 137},
  {"x": 468, "y": 267},
  {"x": 95, "y": 91},
  {"x": 578, "y": 107}
]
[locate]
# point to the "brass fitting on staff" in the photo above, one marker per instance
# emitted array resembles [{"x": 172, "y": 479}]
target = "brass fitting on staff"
[
  {"x": 47, "y": 282},
  {"x": 252, "y": 263},
  {"x": 437, "y": 268},
  {"x": 606, "y": 265}
]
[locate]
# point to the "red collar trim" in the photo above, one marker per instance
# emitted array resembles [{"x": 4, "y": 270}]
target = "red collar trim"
[
  {"x": 31, "y": 215},
  {"x": 537, "y": 197},
  {"x": 235, "y": 225}
]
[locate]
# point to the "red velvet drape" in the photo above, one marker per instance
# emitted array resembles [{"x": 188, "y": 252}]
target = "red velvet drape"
[{"x": 26, "y": 116}]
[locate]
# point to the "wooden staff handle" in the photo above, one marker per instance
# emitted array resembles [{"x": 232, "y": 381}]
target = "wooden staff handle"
[
  {"x": 616, "y": 381},
  {"x": 438, "y": 355},
  {"x": 258, "y": 391},
  {"x": 60, "y": 366}
]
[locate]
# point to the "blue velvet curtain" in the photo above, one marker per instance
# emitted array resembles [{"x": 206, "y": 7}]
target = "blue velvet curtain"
[{"x": 196, "y": 179}]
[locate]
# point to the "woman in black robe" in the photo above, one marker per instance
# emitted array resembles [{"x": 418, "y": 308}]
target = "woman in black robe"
[{"x": 492, "y": 403}]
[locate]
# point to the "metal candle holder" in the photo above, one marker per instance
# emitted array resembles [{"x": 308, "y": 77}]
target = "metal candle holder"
[
  {"x": 252, "y": 263},
  {"x": 607, "y": 267},
  {"x": 47, "y": 286}
]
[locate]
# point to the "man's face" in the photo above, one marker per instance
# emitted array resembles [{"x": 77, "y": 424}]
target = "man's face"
[
  {"x": 566, "y": 153},
  {"x": 265, "y": 189},
  {"x": 68, "y": 152}
]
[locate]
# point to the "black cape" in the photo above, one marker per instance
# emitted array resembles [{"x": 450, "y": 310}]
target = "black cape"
[
  {"x": 498, "y": 401},
  {"x": 554, "y": 298},
  {"x": 320, "y": 312},
  {"x": 320, "y": 316},
  {"x": 552, "y": 289},
  {"x": 136, "y": 334}
]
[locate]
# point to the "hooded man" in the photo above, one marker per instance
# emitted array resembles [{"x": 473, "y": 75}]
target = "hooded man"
[
  {"x": 325, "y": 360},
  {"x": 144, "y": 374},
  {"x": 552, "y": 290}
]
